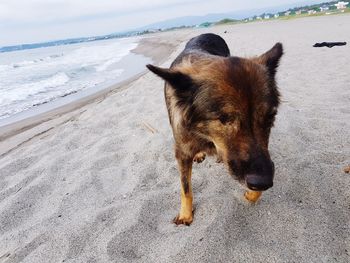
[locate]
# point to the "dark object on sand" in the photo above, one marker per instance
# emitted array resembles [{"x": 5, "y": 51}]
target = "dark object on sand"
[
  {"x": 225, "y": 32},
  {"x": 329, "y": 44}
]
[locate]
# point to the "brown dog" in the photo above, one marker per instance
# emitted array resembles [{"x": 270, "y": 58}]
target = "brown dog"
[{"x": 225, "y": 106}]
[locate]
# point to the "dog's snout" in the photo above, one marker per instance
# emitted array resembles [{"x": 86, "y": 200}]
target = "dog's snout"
[{"x": 258, "y": 183}]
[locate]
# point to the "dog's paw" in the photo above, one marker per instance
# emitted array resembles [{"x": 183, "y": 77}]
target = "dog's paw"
[
  {"x": 179, "y": 220},
  {"x": 199, "y": 157}
]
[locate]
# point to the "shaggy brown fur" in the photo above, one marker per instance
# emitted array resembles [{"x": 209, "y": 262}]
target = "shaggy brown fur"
[{"x": 221, "y": 105}]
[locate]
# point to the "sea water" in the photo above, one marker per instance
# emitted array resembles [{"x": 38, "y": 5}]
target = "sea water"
[{"x": 29, "y": 78}]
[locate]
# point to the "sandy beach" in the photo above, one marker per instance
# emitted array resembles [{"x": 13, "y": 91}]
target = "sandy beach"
[{"x": 97, "y": 181}]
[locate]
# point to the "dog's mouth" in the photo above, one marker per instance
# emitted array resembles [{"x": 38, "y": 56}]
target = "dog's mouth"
[
  {"x": 254, "y": 176},
  {"x": 257, "y": 182},
  {"x": 257, "y": 188},
  {"x": 253, "y": 184},
  {"x": 238, "y": 177},
  {"x": 244, "y": 183},
  {"x": 252, "y": 181}
]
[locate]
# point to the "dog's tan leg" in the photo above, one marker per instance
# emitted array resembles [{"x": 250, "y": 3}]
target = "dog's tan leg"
[
  {"x": 199, "y": 157},
  {"x": 185, "y": 216}
]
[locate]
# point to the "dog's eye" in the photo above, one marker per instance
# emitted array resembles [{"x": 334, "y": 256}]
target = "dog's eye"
[{"x": 224, "y": 118}]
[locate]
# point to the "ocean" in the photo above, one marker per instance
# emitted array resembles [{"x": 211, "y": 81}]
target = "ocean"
[{"x": 33, "y": 77}]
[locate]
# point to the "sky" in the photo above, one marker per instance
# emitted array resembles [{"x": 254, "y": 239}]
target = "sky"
[{"x": 32, "y": 21}]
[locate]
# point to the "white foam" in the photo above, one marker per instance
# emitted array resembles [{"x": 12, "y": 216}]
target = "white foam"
[
  {"x": 4, "y": 68},
  {"x": 25, "y": 90},
  {"x": 106, "y": 64},
  {"x": 23, "y": 63},
  {"x": 34, "y": 77}
]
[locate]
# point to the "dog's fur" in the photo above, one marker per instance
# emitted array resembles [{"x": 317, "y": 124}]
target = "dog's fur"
[{"x": 221, "y": 105}]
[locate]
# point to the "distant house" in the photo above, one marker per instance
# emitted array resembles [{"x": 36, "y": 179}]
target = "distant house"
[
  {"x": 324, "y": 8},
  {"x": 267, "y": 17},
  {"x": 298, "y": 12},
  {"x": 311, "y": 12},
  {"x": 259, "y": 17},
  {"x": 251, "y": 18},
  {"x": 276, "y": 15},
  {"x": 287, "y": 13},
  {"x": 341, "y": 5}
]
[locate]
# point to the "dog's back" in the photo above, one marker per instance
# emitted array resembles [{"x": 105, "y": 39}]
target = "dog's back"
[
  {"x": 210, "y": 43},
  {"x": 206, "y": 44}
]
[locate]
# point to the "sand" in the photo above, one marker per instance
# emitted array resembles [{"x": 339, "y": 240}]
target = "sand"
[{"x": 99, "y": 185}]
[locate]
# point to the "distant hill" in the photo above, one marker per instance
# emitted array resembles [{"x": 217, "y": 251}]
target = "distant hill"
[
  {"x": 236, "y": 15},
  {"x": 185, "y": 20}
]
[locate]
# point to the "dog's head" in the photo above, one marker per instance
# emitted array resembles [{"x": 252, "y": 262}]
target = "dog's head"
[{"x": 231, "y": 102}]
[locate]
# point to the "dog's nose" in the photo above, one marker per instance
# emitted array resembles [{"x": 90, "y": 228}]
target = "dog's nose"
[{"x": 258, "y": 183}]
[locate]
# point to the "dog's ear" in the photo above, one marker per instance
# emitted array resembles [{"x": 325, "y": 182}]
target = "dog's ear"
[
  {"x": 271, "y": 58},
  {"x": 176, "y": 79}
]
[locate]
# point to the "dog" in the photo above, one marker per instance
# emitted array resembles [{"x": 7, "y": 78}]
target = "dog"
[{"x": 221, "y": 105}]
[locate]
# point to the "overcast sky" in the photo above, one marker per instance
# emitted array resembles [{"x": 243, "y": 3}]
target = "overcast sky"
[{"x": 29, "y": 21}]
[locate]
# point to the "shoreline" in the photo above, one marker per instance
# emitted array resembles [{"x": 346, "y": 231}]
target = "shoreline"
[
  {"x": 79, "y": 95},
  {"x": 16, "y": 132}
]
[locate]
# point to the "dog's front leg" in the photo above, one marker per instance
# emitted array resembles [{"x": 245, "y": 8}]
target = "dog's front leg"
[{"x": 185, "y": 167}]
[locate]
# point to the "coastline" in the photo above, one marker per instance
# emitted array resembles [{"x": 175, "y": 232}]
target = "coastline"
[{"x": 155, "y": 46}]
